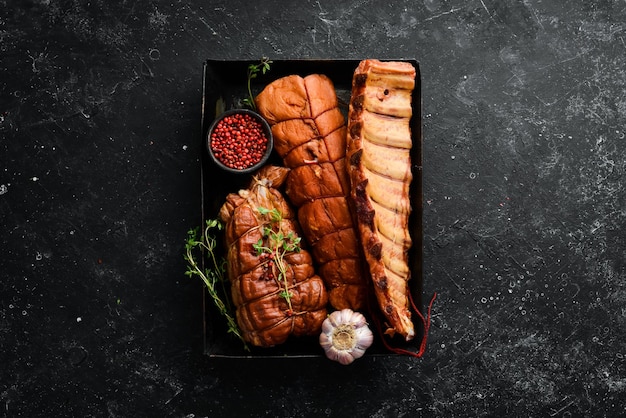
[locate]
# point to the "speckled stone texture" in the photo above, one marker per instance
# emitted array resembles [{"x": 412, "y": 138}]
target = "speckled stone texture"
[{"x": 525, "y": 211}]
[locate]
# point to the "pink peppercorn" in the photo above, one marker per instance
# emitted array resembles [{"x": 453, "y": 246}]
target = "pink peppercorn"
[{"x": 238, "y": 141}]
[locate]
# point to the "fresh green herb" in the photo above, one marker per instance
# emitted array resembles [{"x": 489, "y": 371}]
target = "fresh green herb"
[
  {"x": 253, "y": 70},
  {"x": 273, "y": 248},
  {"x": 215, "y": 274}
]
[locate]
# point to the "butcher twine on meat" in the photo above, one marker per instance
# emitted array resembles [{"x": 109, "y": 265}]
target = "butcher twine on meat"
[
  {"x": 264, "y": 315},
  {"x": 310, "y": 136}
]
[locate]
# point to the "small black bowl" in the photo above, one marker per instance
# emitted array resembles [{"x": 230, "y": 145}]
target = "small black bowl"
[{"x": 229, "y": 153}]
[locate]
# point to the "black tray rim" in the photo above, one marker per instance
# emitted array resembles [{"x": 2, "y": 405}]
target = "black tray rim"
[{"x": 206, "y": 120}]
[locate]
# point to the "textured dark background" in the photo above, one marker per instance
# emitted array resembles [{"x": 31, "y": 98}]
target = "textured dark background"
[{"x": 524, "y": 123}]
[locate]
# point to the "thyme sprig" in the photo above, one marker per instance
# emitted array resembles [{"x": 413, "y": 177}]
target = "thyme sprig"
[
  {"x": 273, "y": 247},
  {"x": 215, "y": 274},
  {"x": 253, "y": 71}
]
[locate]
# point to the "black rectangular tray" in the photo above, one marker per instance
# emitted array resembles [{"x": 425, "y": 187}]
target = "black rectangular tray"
[{"x": 224, "y": 87}]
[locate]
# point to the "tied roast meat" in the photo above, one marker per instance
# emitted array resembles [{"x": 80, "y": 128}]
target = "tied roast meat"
[
  {"x": 264, "y": 314},
  {"x": 310, "y": 136},
  {"x": 379, "y": 148}
]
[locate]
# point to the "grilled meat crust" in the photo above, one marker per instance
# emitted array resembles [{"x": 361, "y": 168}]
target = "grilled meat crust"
[
  {"x": 263, "y": 314},
  {"x": 310, "y": 136},
  {"x": 379, "y": 145}
]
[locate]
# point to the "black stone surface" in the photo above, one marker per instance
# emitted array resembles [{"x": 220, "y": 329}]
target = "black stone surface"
[{"x": 525, "y": 114}]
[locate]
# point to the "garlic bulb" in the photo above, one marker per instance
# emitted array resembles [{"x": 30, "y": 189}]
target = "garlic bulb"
[{"x": 345, "y": 336}]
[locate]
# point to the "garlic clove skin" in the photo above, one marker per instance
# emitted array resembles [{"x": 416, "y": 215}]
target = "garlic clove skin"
[{"x": 345, "y": 336}]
